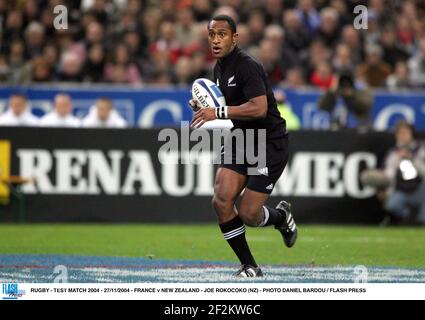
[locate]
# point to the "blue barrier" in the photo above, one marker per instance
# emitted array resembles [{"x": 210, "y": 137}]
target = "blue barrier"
[{"x": 150, "y": 107}]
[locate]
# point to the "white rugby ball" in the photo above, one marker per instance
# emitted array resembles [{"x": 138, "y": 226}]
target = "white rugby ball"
[{"x": 207, "y": 93}]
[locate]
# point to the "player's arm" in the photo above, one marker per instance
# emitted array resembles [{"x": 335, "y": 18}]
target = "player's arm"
[{"x": 253, "y": 109}]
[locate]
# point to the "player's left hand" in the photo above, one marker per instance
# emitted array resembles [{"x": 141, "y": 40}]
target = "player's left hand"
[{"x": 201, "y": 116}]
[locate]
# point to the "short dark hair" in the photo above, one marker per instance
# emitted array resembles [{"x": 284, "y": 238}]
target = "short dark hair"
[
  {"x": 106, "y": 99},
  {"x": 404, "y": 124},
  {"x": 18, "y": 95},
  {"x": 223, "y": 17}
]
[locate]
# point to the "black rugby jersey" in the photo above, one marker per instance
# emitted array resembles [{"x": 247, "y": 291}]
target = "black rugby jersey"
[{"x": 242, "y": 78}]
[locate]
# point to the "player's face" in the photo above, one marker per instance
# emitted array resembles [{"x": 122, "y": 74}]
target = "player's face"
[{"x": 221, "y": 38}]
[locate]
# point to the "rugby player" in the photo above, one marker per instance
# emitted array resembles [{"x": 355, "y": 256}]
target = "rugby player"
[{"x": 250, "y": 105}]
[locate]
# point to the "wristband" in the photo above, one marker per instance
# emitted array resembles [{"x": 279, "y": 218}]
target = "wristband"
[{"x": 221, "y": 112}]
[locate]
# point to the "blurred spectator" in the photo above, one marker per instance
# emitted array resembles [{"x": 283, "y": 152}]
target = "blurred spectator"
[
  {"x": 136, "y": 44},
  {"x": 30, "y": 11},
  {"x": 417, "y": 65},
  {"x": 309, "y": 16},
  {"x": 13, "y": 28},
  {"x": 351, "y": 37},
  {"x": 392, "y": 51},
  {"x": 292, "y": 121},
  {"x": 127, "y": 22},
  {"x": 244, "y": 38},
  {"x": 405, "y": 32},
  {"x": 103, "y": 115},
  {"x": 329, "y": 26},
  {"x": 343, "y": 59},
  {"x": 358, "y": 102},
  {"x": 404, "y": 172},
  {"x": 135, "y": 6},
  {"x": 381, "y": 10},
  {"x": 167, "y": 42},
  {"x": 400, "y": 79},
  {"x": 287, "y": 57},
  {"x": 47, "y": 17},
  {"x": 51, "y": 54},
  {"x": 184, "y": 74},
  {"x": 273, "y": 10},
  {"x": 373, "y": 31},
  {"x": 34, "y": 39},
  {"x": 199, "y": 68},
  {"x": 297, "y": 37},
  {"x": 160, "y": 79},
  {"x": 41, "y": 70},
  {"x": 187, "y": 32},
  {"x": 160, "y": 65},
  {"x": 4, "y": 69},
  {"x": 168, "y": 9},
  {"x": 97, "y": 8},
  {"x": 322, "y": 76},
  {"x": 343, "y": 11},
  {"x": 70, "y": 68},
  {"x": 269, "y": 56},
  {"x": 18, "y": 113},
  {"x": 121, "y": 69},
  {"x": 94, "y": 68},
  {"x": 226, "y": 10},
  {"x": 61, "y": 116},
  {"x": 202, "y": 9},
  {"x": 409, "y": 10},
  {"x": 17, "y": 54},
  {"x": 256, "y": 24},
  {"x": 316, "y": 54},
  {"x": 151, "y": 23},
  {"x": 374, "y": 71},
  {"x": 95, "y": 34},
  {"x": 294, "y": 79}
]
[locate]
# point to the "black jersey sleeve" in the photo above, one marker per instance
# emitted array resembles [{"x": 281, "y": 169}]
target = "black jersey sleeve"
[{"x": 253, "y": 79}]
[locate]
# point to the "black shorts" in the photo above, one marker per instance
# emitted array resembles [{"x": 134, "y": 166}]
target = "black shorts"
[{"x": 277, "y": 157}]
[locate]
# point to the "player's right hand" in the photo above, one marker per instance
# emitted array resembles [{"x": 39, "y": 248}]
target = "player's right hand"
[{"x": 194, "y": 105}]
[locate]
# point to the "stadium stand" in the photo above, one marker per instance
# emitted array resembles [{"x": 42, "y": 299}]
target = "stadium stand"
[{"x": 142, "y": 42}]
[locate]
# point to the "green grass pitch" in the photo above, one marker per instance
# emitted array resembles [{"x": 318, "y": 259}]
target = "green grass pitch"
[{"x": 317, "y": 245}]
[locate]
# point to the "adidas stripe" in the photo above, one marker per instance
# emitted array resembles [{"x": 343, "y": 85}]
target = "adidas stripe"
[{"x": 234, "y": 233}]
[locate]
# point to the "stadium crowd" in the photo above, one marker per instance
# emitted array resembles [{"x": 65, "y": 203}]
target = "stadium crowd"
[{"x": 163, "y": 42}]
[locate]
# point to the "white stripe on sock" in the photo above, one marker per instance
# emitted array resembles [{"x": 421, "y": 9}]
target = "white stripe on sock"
[
  {"x": 234, "y": 233},
  {"x": 266, "y": 217},
  {"x": 234, "y": 230}
]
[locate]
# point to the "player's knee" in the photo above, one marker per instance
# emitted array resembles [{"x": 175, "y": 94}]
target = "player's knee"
[{"x": 250, "y": 217}]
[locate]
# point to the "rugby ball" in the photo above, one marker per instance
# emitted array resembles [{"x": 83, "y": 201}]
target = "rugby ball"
[{"x": 207, "y": 93}]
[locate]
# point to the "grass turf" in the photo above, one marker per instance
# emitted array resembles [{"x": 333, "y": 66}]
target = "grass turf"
[{"x": 317, "y": 245}]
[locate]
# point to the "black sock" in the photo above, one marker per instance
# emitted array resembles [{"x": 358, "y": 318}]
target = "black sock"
[
  {"x": 234, "y": 232},
  {"x": 272, "y": 217}
]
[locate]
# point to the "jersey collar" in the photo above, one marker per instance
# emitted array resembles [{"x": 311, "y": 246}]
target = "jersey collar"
[{"x": 230, "y": 57}]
